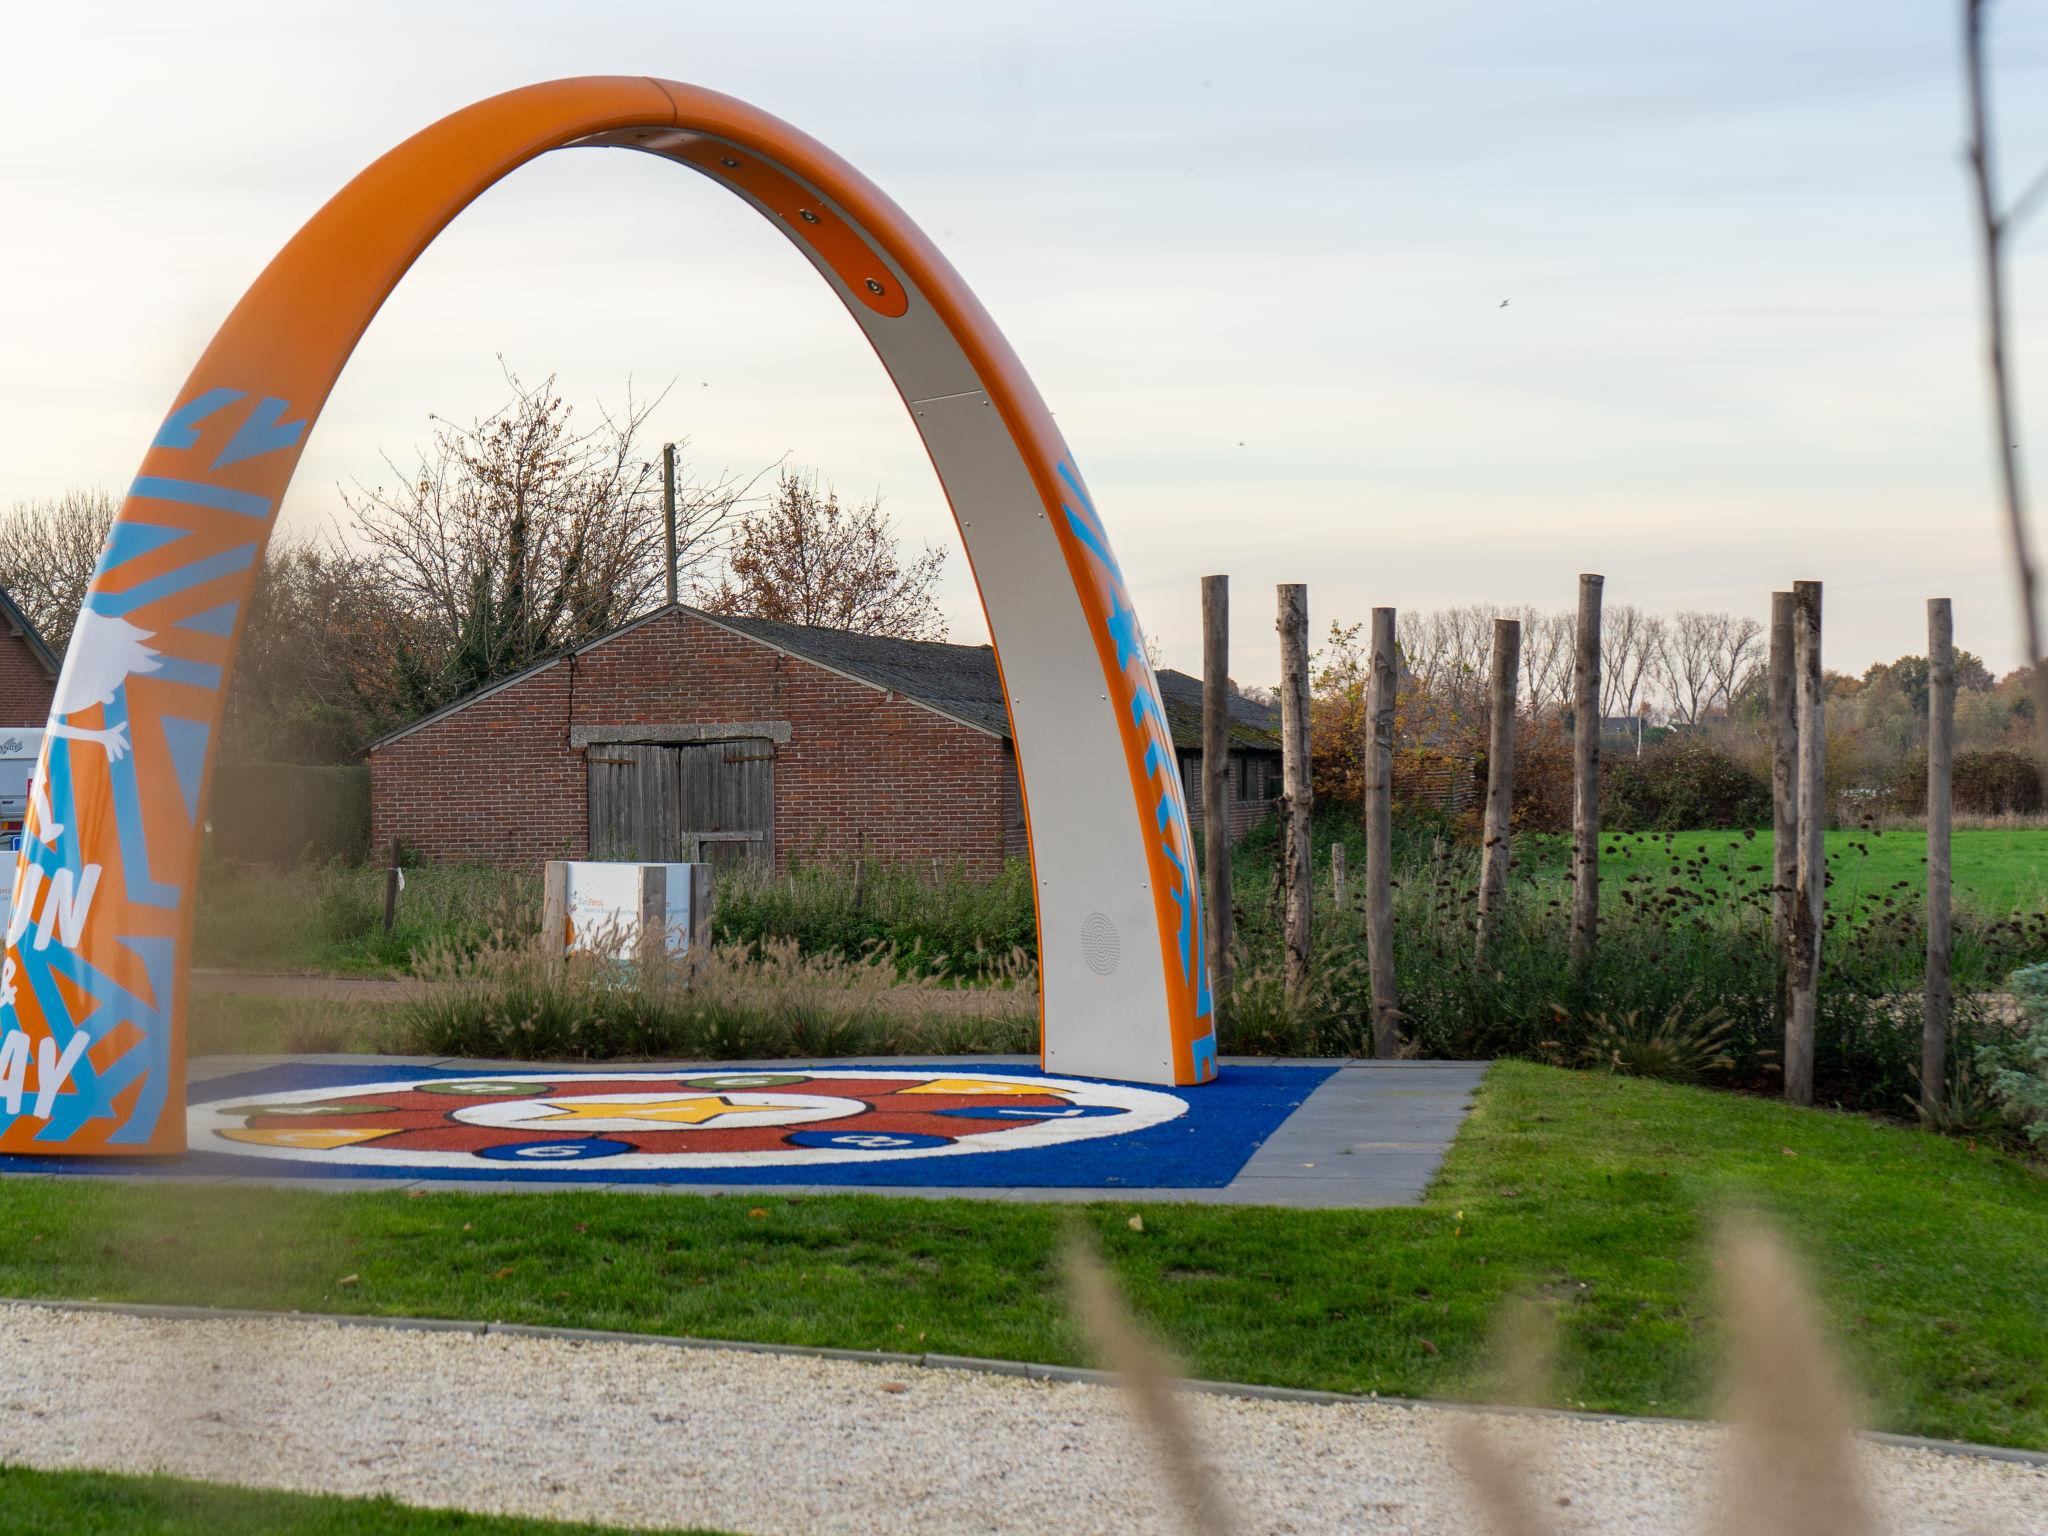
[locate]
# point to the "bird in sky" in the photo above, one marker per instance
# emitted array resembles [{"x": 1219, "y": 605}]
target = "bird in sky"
[{"x": 1503, "y": 303}]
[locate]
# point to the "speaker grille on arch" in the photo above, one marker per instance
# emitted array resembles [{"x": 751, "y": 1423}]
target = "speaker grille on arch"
[{"x": 1101, "y": 946}]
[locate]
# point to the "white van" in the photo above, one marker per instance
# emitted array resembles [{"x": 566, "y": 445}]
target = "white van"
[{"x": 19, "y": 747}]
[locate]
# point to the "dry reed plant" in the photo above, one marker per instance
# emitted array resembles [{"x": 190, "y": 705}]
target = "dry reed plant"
[
  {"x": 1794, "y": 1469},
  {"x": 1791, "y": 1467},
  {"x": 510, "y": 999}
]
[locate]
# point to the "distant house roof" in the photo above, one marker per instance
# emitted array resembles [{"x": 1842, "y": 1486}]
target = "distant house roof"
[
  {"x": 957, "y": 681},
  {"x": 17, "y": 622}
]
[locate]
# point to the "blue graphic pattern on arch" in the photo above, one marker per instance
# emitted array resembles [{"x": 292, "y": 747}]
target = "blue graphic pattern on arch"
[
  {"x": 1148, "y": 713},
  {"x": 53, "y": 864},
  {"x": 43, "y": 960}
]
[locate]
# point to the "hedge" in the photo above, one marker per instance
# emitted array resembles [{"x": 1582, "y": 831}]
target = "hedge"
[{"x": 290, "y": 813}]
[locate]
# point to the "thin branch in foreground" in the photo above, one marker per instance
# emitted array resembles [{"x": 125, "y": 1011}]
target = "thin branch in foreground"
[{"x": 1144, "y": 1372}]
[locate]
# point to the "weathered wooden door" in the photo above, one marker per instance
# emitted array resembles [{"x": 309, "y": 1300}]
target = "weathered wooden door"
[
  {"x": 726, "y": 797},
  {"x": 712, "y": 802}
]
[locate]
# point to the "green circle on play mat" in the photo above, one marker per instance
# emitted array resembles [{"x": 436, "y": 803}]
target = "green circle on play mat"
[
  {"x": 480, "y": 1088},
  {"x": 747, "y": 1080},
  {"x": 351, "y": 1107}
]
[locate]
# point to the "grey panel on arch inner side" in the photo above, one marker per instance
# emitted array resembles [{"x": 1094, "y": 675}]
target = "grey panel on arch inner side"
[
  {"x": 1087, "y": 840},
  {"x": 1088, "y": 836}
]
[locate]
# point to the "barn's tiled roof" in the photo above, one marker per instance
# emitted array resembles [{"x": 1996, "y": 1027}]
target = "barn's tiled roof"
[
  {"x": 961, "y": 680},
  {"x": 958, "y": 681}
]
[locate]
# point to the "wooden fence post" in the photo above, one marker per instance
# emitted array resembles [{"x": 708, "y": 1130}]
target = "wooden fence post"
[
  {"x": 1297, "y": 874},
  {"x": 1216, "y": 895},
  {"x": 394, "y": 877},
  {"x": 1500, "y": 781},
  {"x": 1809, "y": 904},
  {"x": 1784, "y": 790},
  {"x": 1586, "y": 777},
  {"x": 1379, "y": 836},
  {"x": 1337, "y": 879},
  {"x": 651, "y": 953},
  {"x": 1941, "y": 746},
  {"x": 554, "y": 913}
]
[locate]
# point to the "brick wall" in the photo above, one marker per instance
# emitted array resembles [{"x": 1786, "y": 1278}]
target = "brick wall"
[
  {"x": 498, "y": 781},
  {"x": 1244, "y": 813},
  {"x": 25, "y": 685}
]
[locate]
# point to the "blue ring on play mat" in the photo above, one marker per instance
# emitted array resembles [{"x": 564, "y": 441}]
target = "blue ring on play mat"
[
  {"x": 583, "y": 1150},
  {"x": 867, "y": 1141}
]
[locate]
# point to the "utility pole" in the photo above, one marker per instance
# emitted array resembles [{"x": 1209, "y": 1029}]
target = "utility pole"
[
  {"x": 1216, "y": 894},
  {"x": 668, "y": 512}
]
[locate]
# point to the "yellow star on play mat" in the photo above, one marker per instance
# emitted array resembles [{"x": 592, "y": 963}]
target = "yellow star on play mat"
[
  {"x": 979, "y": 1085},
  {"x": 683, "y": 1111}
]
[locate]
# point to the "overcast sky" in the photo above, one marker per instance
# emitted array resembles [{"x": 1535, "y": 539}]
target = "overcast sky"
[{"x": 1254, "y": 255}]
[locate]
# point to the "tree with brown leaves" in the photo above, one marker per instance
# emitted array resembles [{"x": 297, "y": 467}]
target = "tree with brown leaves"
[
  {"x": 806, "y": 558},
  {"x": 525, "y": 532}
]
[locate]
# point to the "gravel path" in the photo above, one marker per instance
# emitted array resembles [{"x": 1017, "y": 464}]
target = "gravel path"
[{"x": 651, "y": 1435}]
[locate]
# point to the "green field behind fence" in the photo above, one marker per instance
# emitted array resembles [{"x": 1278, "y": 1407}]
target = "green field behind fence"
[{"x": 1998, "y": 871}]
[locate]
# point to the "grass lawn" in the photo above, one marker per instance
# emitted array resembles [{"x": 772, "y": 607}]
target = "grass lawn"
[
  {"x": 1999, "y": 871},
  {"x": 1595, "y": 1194},
  {"x": 102, "y": 1504}
]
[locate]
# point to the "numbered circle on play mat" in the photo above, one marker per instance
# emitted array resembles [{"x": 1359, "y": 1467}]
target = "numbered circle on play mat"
[
  {"x": 583, "y": 1150},
  {"x": 730, "y": 1080}
]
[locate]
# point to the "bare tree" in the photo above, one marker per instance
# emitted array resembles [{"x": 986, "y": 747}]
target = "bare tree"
[
  {"x": 1704, "y": 658},
  {"x": 320, "y": 649},
  {"x": 1630, "y": 643},
  {"x": 48, "y": 553},
  {"x": 1994, "y": 226},
  {"x": 806, "y": 559},
  {"x": 1547, "y": 641},
  {"x": 1684, "y": 665},
  {"x": 1738, "y": 652},
  {"x": 522, "y": 533}
]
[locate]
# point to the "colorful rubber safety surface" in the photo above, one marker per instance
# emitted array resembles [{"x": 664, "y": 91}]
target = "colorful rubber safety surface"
[{"x": 888, "y": 1124}]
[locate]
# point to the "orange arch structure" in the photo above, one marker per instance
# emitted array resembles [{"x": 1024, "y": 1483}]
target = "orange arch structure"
[{"x": 92, "y": 986}]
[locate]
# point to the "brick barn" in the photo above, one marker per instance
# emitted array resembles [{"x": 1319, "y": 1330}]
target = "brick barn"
[
  {"x": 28, "y": 670},
  {"x": 684, "y": 735}
]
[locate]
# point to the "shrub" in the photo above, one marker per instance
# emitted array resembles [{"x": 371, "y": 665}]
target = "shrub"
[
  {"x": 1996, "y": 781},
  {"x": 933, "y": 924},
  {"x": 1543, "y": 777},
  {"x": 1683, "y": 1046},
  {"x": 2018, "y": 1069},
  {"x": 1681, "y": 784},
  {"x": 1999, "y": 782},
  {"x": 331, "y": 916}
]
